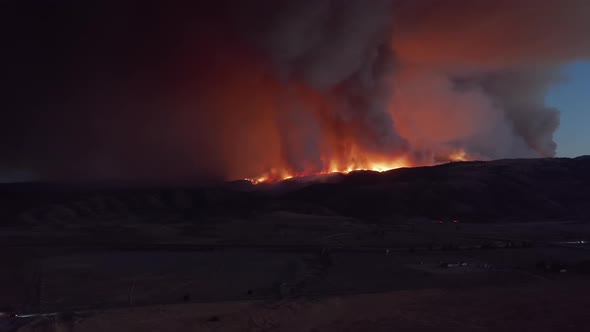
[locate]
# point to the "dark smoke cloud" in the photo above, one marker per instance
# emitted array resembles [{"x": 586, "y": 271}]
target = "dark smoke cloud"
[
  {"x": 339, "y": 47},
  {"x": 229, "y": 89}
]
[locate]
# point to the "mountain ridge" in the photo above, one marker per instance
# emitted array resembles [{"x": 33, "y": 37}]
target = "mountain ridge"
[{"x": 477, "y": 191}]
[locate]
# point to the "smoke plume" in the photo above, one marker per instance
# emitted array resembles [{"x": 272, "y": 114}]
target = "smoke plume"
[{"x": 239, "y": 89}]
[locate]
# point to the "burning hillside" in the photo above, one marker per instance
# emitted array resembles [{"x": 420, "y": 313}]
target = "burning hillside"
[{"x": 374, "y": 163}]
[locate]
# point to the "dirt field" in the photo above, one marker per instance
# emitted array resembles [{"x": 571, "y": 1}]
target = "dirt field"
[
  {"x": 295, "y": 268},
  {"x": 541, "y": 306}
]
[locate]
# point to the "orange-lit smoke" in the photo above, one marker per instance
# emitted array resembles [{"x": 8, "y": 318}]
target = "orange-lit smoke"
[
  {"x": 267, "y": 89},
  {"x": 389, "y": 84}
]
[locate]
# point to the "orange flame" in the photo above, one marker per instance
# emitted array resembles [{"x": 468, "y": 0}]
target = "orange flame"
[
  {"x": 275, "y": 175},
  {"x": 375, "y": 164},
  {"x": 459, "y": 155}
]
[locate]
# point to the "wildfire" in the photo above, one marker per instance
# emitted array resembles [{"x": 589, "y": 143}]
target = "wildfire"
[
  {"x": 459, "y": 155},
  {"x": 275, "y": 175},
  {"x": 379, "y": 165}
]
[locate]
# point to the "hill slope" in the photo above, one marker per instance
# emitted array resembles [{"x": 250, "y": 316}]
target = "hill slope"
[
  {"x": 502, "y": 190},
  {"x": 479, "y": 191}
]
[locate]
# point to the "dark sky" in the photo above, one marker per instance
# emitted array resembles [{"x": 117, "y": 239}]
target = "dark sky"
[{"x": 83, "y": 72}]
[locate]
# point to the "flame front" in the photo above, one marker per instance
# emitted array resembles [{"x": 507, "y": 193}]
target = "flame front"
[
  {"x": 275, "y": 175},
  {"x": 375, "y": 164}
]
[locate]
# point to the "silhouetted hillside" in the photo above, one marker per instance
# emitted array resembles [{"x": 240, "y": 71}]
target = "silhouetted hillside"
[
  {"x": 502, "y": 190},
  {"x": 520, "y": 190}
]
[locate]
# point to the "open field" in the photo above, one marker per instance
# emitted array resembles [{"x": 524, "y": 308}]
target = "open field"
[
  {"x": 530, "y": 307},
  {"x": 270, "y": 257},
  {"x": 318, "y": 258}
]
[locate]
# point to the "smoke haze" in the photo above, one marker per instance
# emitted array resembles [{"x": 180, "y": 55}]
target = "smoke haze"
[{"x": 238, "y": 89}]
